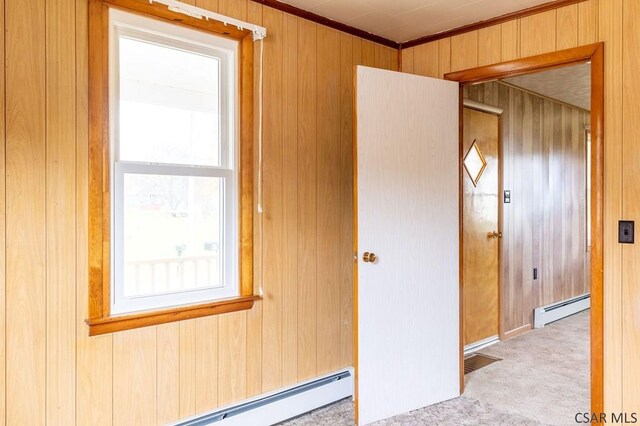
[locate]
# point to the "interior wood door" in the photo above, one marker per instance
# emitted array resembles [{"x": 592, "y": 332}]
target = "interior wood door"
[
  {"x": 407, "y": 214},
  {"x": 480, "y": 185}
]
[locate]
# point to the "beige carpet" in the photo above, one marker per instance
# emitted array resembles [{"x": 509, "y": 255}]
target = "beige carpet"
[{"x": 543, "y": 379}]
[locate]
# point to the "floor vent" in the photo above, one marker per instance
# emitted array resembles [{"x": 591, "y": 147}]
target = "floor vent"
[
  {"x": 477, "y": 361},
  {"x": 275, "y": 407},
  {"x": 554, "y": 312}
]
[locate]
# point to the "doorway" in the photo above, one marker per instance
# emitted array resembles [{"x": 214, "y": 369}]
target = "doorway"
[
  {"x": 481, "y": 224},
  {"x": 594, "y": 55},
  {"x": 407, "y": 219}
]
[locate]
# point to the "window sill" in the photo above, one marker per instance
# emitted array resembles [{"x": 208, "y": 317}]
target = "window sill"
[{"x": 98, "y": 326}]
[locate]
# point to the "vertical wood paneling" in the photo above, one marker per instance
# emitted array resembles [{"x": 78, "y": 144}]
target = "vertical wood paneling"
[
  {"x": 290, "y": 200},
  {"x": 187, "y": 368},
  {"x": 254, "y": 316},
  {"x": 510, "y": 44},
  {"x": 208, "y": 362},
  {"x": 26, "y": 292},
  {"x": 426, "y": 60},
  {"x": 567, "y": 27},
  {"x": 538, "y": 34},
  {"x": 273, "y": 208},
  {"x": 587, "y": 22},
  {"x": 610, "y": 29},
  {"x": 368, "y": 53},
  {"x": 350, "y": 56},
  {"x": 464, "y": 51},
  {"x": 407, "y": 60},
  {"x": 307, "y": 203},
  {"x": 490, "y": 49},
  {"x": 60, "y": 212},
  {"x": 168, "y": 382},
  {"x": 444, "y": 56},
  {"x": 2, "y": 222},
  {"x": 328, "y": 194},
  {"x": 544, "y": 167},
  {"x": 134, "y": 377},
  {"x": 631, "y": 208},
  {"x": 232, "y": 349}
]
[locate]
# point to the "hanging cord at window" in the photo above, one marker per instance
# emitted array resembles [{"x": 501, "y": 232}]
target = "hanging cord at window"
[{"x": 260, "y": 291}]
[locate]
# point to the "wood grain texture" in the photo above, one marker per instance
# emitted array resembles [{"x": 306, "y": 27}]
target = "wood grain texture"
[
  {"x": 630, "y": 209},
  {"x": 610, "y": 27},
  {"x": 307, "y": 204},
  {"x": 444, "y": 57},
  {"x": 464, "y": 51},
  {"x": 510, "y": 43},
  {"x": 272, "y": 239},
  {"x": 134, "y": 375},
  {"x": 538, "y": 34},
  {"x": 587, "y": 22},
  {"x": 3, "y": 212},
  {"x": 60, "y": 210},
  {"x": 26, "y": 291},
  {"x": 290, "y": 200},
  {"x": 425, "y": 60},
  {"x": 328, "y": 194},
  {"x": 480, "y": 260},
  {"x": 490, "y": 49},
  {"x": 567, "y": 27},
  {"x": 544, "y": 167}
]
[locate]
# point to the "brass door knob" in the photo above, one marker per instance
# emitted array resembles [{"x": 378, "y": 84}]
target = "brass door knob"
[
  {"x": 369, "y": 257},
  {"x": 495, "y": 235}
]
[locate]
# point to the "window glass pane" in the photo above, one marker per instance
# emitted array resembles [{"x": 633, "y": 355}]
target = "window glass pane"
[
  {"x": 173, "y": 233},
  {"x": 169, "y": 110}
]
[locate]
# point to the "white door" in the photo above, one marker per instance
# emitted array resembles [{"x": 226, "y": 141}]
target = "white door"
[{"x": 407, "y": 300}]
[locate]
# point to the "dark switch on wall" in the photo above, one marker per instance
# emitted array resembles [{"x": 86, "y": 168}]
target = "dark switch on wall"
[
  {"x": 535, "y": 273},
  {"x": 625, "y": 231},
  {"x": 507, "y": 196}
]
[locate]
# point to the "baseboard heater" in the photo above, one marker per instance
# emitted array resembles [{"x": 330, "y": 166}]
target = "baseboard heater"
[
  {"x": 281, "y": 405},
  {"x": 550, "y": 313}
]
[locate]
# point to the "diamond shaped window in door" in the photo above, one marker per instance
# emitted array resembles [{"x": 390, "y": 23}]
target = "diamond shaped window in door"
[{"x": 474, "y": 163}]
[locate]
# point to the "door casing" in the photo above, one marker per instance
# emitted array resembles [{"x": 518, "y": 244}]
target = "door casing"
[{"x": 595, "y": 54}]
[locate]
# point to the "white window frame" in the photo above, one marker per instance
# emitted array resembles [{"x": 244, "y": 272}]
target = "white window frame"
[{"x": 226, "y": 51}]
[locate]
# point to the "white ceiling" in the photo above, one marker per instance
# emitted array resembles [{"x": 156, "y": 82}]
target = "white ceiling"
[
  {"x": 404, "y": 20},
  {"x": 571, "y": 85}
]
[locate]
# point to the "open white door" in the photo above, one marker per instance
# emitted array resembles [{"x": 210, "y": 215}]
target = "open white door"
[{"x": 407, "y": 300}]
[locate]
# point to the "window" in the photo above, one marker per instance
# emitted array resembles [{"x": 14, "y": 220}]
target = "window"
[
  {"x": 173, "y": 165},
  {"x": 170, "y": 168}
]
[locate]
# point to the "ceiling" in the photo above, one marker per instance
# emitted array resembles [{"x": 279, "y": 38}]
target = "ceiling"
[
  {"x": 571, "y": 85},
  {"x": 404, "y": 20}
]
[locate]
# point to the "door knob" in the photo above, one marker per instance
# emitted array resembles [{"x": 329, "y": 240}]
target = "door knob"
[
  {"x": 369, "y": 257},
  {"x": 495, "y": 235}
]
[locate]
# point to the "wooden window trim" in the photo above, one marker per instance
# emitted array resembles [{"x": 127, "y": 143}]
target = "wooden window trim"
[{"x": 100, "y": 321}]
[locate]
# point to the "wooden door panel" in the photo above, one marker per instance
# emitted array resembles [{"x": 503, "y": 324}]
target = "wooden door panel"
[{"x": 480, "y": 218}]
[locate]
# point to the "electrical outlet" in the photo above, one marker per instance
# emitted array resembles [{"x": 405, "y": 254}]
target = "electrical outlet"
[{"x": 507, "y": 196}]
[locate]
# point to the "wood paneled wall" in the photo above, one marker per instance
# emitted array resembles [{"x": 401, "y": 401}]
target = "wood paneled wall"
[
  {"x": 55, "y": 373},
  {"x": 544, "y": 226},
  {"x": 613, "y": 22}
]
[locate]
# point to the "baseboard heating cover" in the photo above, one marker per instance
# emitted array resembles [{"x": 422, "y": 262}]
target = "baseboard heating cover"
[
  {"x": 275, "y": 407},
  {"x": 554, "y": 312}
]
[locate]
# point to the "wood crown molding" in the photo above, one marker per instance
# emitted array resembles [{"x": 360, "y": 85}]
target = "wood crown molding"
[{"x": 489, "y": 22}]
